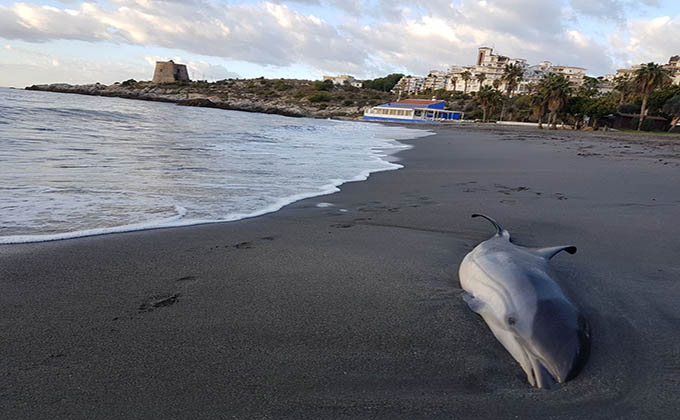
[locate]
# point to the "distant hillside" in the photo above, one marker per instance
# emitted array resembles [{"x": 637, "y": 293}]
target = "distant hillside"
[{"x": 298, "y": 98}]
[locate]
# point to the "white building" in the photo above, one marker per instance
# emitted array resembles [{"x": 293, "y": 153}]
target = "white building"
[
  {"x": 674, "y": 67},
  {"x": 409, "y": 84},
  {"x": 435, "y": 80},
  {"x": 491, "y": 66},
  {"x": 343, "y": 79}
]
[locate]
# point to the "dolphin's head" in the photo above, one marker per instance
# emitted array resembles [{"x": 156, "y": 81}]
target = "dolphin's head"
[{"x": 557, "y": 343}]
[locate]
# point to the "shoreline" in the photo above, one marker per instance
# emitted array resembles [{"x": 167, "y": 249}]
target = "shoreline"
[
  {"x": 198, "y": 96},
  {"x": 314, "y": 312}
]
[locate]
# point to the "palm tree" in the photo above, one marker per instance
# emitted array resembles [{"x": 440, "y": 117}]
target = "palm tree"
[
  {"x": 590, "y": 87},
  {"x": 512, "y": 75},
  {"x": 647, "y": 79},
  {"x": 466, "y": 75},
  {"x": 538, "y": 103},
  {"x": 553, "y": 92},
  {"x": 454, "y": 82},
  {"x": 488, "y": 98},
  {"x": 481, "y": 77},
  {"x": 624, "y": 85}
]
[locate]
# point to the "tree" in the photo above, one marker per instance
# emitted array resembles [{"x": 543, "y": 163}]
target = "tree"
[
  {"x": 454, "y": 82},
  {"x": 672, "y": 108},
  {"x": 624, "y": 85},
  {"x": 488, "y": 97},
  {"x": 554, "y": 91},
  {"x": 589, "y": 87},
  {"x": 538, "y": 103},
  {"x": 384, "y": 84},
  {"x": 659, "y": 97},
  {"x": 575, "y": 107},
  {"x": 481, "y": 77},
  {"x": 648, "y": 78},
  {"x": 325, "y": 85},
  {"x": 596, "y": 108},
  {"x": 466, "y": 75},
  {"x": 512, "y": 76}
]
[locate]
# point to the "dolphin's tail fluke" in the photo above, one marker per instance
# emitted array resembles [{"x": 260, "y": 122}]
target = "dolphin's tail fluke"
[{"x": 499, "y": 230}]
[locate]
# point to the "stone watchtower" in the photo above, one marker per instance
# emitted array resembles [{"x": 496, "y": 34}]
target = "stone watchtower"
[{"x": 168, "y": 72}]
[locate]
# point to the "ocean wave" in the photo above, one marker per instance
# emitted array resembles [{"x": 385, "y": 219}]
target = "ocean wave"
[
  {"x": 155, "y": 224},
  {"x": 97, "y": 178}
]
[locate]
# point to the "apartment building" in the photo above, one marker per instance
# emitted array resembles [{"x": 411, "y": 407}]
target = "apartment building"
[{"x": 469, "y": 78}]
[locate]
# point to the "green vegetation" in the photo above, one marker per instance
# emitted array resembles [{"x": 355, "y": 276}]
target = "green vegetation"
[
  {"x": 512, "y": 76},
  {"x": 385, "y": 84},
  {"x": 488, "y": 98},
  {"x": 672, "y": 109},
  {"x": 466, "y": 75},
  {"x": 325, "y": 85},
  {"x": 647, "y": 79},
  {"x": 645, "y": 92},
  {"x": 321, "y": 97}
]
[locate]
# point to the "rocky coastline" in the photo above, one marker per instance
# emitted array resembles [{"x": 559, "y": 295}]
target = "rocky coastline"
[{"x": 291, "y": 98}]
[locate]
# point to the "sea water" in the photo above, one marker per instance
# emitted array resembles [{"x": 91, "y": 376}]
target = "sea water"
[{"x": 73, "y": 165}]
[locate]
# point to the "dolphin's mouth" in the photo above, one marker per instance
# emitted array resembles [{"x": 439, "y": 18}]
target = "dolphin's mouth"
[
  {"x": 540, "y": 376},
  {"x": 540, "y": 372}
]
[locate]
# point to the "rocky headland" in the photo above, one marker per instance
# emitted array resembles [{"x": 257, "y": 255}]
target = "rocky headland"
[{"x": 295, "y": 98}]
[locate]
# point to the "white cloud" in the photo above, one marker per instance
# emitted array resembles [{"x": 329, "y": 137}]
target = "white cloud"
[
  {"x": 646, "y": 40},
  {"x": 20, "y": 67},
  {"x": 615, "y": 10},
  {"x": 373, "y": 38}
]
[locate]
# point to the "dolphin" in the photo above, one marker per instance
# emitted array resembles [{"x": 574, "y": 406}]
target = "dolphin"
[{"x": 513, "y": 290}]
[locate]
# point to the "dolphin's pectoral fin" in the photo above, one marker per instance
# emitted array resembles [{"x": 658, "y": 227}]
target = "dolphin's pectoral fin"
[
  {"x": 550, "y": 252},
  {"x": 476, "y": 305}
]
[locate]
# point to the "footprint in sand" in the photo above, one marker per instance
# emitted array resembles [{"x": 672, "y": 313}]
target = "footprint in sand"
[
  {"x": 244, "y": 245},
  {"x": 342, "y": 225},
  {"x": 158, "y": 301}
]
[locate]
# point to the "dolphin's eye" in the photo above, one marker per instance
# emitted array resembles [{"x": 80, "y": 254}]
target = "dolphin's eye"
[{"x": 511, "y": 320}]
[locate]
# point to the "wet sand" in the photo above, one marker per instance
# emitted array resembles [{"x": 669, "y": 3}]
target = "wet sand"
[{"x": 321, "y": 313}]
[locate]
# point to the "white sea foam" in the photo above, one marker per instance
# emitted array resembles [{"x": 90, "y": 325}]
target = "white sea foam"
[
  {"x": 168, "y": 222},
  {"x": 138, "y": 165}
]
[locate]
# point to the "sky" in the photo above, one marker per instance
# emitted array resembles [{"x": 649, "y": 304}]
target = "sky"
[{"x": 76, "y": 41}]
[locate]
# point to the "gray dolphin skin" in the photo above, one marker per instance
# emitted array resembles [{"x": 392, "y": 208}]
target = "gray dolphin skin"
[{"x": 513, "y": 290}]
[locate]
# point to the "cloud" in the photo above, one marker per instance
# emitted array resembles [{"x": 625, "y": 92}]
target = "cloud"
[
  {"x": 372, "y": 37},
  {"x": 610, "y": 10},
  {"x": 20, "y": 67},
  {"x": 646, "y": 40},
  {"x": 600, "y": 9},
  {"x": 268, "y": 34}
]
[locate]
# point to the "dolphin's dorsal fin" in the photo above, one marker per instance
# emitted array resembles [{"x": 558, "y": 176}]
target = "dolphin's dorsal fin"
[
  {"x": 499, "y": 230},
  {"x": 550, "y": 252}
]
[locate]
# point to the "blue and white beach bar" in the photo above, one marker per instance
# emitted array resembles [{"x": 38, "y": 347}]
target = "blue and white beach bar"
[{"x": 412, "y": 110}]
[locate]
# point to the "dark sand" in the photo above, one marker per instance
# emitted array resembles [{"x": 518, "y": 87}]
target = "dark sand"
[{"x": 316, "y": 313}]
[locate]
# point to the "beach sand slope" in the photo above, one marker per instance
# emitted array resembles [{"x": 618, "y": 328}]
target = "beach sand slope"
[{"x": 314, "y": 312}]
